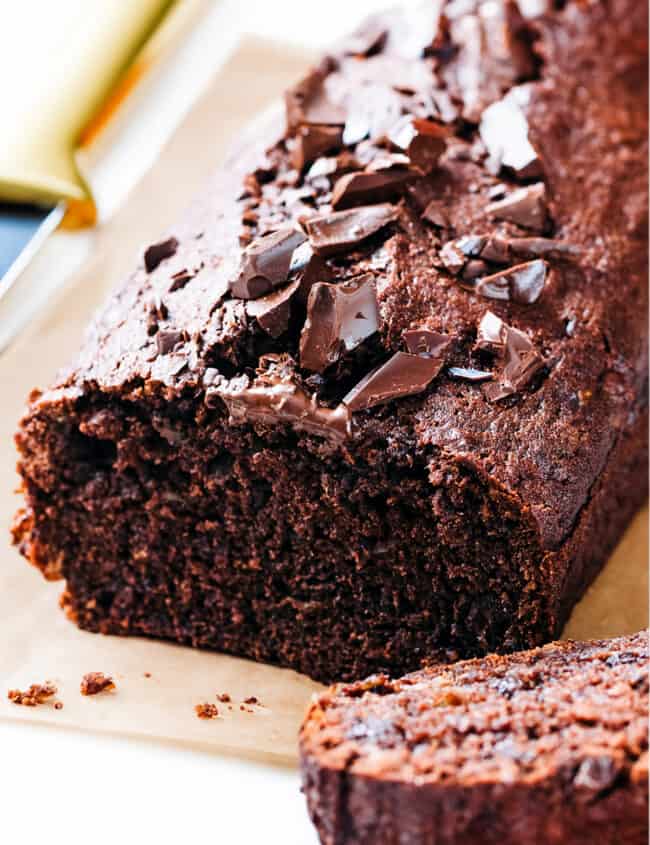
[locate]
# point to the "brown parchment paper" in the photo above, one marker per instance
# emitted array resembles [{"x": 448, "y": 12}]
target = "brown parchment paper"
[{"x": 37, "y": 642}]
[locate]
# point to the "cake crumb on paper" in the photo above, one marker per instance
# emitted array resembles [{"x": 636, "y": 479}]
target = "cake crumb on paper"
[
  {"x": 206, "y": 710},
  {"x": 93, "y": 683},
  {"x": 35, "y": 695}
]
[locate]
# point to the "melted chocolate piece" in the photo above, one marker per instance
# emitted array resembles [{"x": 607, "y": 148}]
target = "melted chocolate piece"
[
  {"x": 312, "y": 141},
  {"x": 504, "y": 131},
  {"x": 265, "y": 263},
  {"x": 526, "y": 207},
  {"x": 423, "y": 141},
  {"x": 272, "y": 312},
  {"x": 307, "y": 102},
  {"x": 469, "y": 374},
  {"x": 275, "y": 397},
  {"x": 491, "y": 335},
  {"x": 522, "y": 283},
  {"x": 331, "y": 234},
  {"x": 363, "y": 188},
  {"x": 372, "y": 110},
  {"x": 402, "y": 375},
  {"x": 426, "y": 342},
  {"x": 154, "y": 254}
]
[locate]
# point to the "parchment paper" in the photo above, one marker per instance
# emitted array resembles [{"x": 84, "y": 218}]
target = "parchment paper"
[{"x": 38, "y": 642}]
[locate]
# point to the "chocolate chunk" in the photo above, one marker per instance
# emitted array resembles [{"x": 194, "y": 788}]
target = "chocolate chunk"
[
  {"x": 339, "y": 318},
  {"x": 265, "y": 263},
  {"x": 504, "y": 131},
  {"x": 330, "y": 234},
  {"x": 522, "y": 283},
  {"x": 454, "y": 254},
  {"x": 272, "y": 311},
  {"x": 473, "y": 269},
  {"x": 426, "y": 342},
  {"x": 167, "y": 340},
  {"x": 541, "y": 248},
  {"x": 436, "y": 213},
  {"x": 308, "y": 267},
  {"x": 526, "y": 207},
  {"x": 491, "y": 335},
  {"x": 423, "y": 141},
  {"x": 469, "y": 374},
  {"x": 312, "y": 141},
  {"x": 388, "y": 161},
  {"x": 402, "y": 375},
  {"x": 521, "y": 364},
  {"x": 372, "y": 110},
  {"x": 275, "y": 397},
  {"x": 363, "y": 188},
  {"x": 154, "y": 254},
  {"x": 369, "y": 39},
  {"x": 307, "y": 101},
  {"x": 332, "y": 166},
  {"x": 180, "y": 279}
]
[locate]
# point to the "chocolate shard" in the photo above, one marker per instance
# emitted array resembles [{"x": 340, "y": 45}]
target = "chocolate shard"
[
  {"x": 156, "y": 253},
  {"x": 312, "y": 141},
  {"x": 372, "y": 110},
  {"x": 541, "y": 248},
  {"x": 526, "y": 207},
  {"x": 364, "y": 188},
  {"x": 455, "y": 254},
  {"x": 340, "y": 231},
  {"x": 388, "y": 161},
  {"x": 423, "y": 141},
  {"x": 180, "y": 279},
  {"x": 402, "y": 375},
  {"x": 168, "y": 340},
  {"x": 522, "y": 283},
  {"x": 308, "y": 268},
  {"x": 272, "y": 311},
  {"x": 491, "y": 335},
  {"x": 307, "y": 102},
  {"x": 522, "y": 363},
  {"x": 367, "y": 40},
  {"x": 265, "y": 263},
  {"x": 339, "y": 318},
  {"x": 469, "y": 374},
  {"x": 426, "y": 342},
  {"x": 436, "y": 213},
  {"x": 504, "y": 131},
  {"x": 274, "y": 397}
]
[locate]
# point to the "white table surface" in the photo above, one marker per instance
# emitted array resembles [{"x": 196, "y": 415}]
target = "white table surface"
[{"x": 59, "y": 786}]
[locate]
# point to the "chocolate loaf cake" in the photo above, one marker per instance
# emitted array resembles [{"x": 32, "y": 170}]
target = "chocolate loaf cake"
[
  {"x": 381, "y": 395},
  {"x": 548, "y": 747}
]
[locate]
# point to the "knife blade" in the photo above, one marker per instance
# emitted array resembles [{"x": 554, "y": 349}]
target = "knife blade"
[{"x": 23, "y": 230}]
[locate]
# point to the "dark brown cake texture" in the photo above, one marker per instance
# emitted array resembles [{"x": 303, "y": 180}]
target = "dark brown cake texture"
[
  {"x": 381, "y": 395},
  {"x": 548, "y": 747}
]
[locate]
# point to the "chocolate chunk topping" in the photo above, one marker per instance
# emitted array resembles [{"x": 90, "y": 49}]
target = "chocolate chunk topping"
[
  {"x": 504, "y": 250},
  {"x": 526, "y": 207},
  {"x": 504, "y": 131},
  {"x": 454, "y": 254},
  {"x": 426, "y": 342},
  {"x": 180, "y": 279},
  {"x": 521, "y": 364},
  {"x": 363, "y": 188},
  {"x": 154, "y": 254},
  {"x": 423, "y": 141},
  {"x": 339, "y": 318},
  {"x": 372, "y": 110},
  {"x": 312, "y": 141},
  {"x": 436, "y": 213},
  {"x": 402, "y": 375},
  {"x": 332, "y": 166},
  {"x": 272, "y": 311},
  {"x": 309, "y": 268},
  {"x": 367, "y": 40},
  {"x": 307, "y": 102},
  {"x": 469, "y": 374},
  {"x": 339, "y": 231},
  {"x": 167, "y": 340},
  {"x": 275, "y": 397},
  {"x": 265, "y": 263},
  {"x": 491, "y": 335},
  {"x": 522, "y": 283}
]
